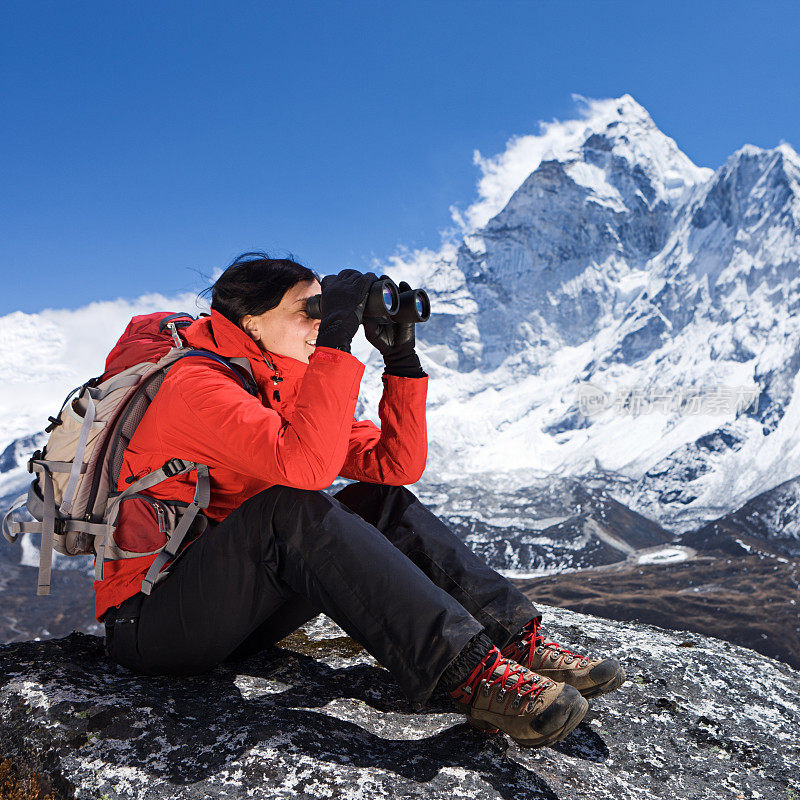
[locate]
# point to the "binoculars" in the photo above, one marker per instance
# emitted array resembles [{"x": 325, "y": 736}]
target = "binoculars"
[{"x": 385, "y": 301}]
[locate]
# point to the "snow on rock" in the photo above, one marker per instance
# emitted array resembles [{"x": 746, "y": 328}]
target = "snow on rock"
[{"x": 663, "y": 555}]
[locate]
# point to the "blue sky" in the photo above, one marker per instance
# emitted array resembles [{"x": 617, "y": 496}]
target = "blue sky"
[{"x": 146, "y": 144}]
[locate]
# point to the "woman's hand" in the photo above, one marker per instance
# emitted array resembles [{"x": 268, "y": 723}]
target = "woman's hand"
[
  {"x": 395, "y": 341},
  {"x": 343, "y": 299}
]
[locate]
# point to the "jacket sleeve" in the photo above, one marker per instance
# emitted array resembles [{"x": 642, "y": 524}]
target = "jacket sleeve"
[
  {"x": 395, "y": 453},
  {"x": 207, "y": 417}
]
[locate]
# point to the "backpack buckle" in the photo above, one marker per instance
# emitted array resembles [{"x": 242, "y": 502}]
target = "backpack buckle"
[
  {"x": 173, "y": 467},
  {"x": 174, "y": 331},
  {"x": 35, "y": 457}
]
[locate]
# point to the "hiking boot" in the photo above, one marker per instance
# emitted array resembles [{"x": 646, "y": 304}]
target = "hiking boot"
[
  {"x": 591, "y": 677},
  {"x": 531, "y": 709}
]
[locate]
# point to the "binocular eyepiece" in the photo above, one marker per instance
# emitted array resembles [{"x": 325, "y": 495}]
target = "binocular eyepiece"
[{"x": 385, "y": 301}]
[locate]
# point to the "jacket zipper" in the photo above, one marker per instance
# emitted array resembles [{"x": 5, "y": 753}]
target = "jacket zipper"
[
  {"x": 275, "y": 378},
  {"x": 156, "y": 505}
]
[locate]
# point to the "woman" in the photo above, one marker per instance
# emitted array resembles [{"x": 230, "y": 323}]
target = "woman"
[{"x": 278, "y": 551}]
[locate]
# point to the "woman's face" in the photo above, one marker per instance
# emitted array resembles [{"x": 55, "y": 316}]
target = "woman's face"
[{"x": 287, "y": 330}]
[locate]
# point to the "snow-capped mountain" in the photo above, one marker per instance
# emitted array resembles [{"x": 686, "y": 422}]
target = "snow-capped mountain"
[
  {"x": 627, "y": 310},
  {"x": 608, "y": 308}
]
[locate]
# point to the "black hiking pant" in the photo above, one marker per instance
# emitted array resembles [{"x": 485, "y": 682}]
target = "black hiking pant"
[{"x": 373, "y": 559}]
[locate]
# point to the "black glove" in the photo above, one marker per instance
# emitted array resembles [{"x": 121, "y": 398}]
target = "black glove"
[
  {"x": 395, "y": 341},
  {"x": 342, "y": 305}
]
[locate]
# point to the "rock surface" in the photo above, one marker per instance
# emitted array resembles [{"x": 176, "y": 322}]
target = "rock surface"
[{"x": 317, "y": 717}]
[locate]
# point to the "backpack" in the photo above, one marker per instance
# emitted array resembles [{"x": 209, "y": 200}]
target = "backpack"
[{"x": 73, "y": 497}]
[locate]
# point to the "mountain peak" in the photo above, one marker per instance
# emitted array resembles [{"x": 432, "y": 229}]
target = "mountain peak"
[
  {"x": 784, "y": 156},
  {"x": 616, "y": 110},
  {"x": 629, "y": 133},
  {"x": 754, "y": 183},
  {"x": 789, "y": 153}
]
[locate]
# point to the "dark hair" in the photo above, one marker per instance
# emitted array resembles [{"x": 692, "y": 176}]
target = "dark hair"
[{"x": 255, "y": 283}]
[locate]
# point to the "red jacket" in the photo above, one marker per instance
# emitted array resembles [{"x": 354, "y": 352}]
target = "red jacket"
[{"x": 306, "y": 439}]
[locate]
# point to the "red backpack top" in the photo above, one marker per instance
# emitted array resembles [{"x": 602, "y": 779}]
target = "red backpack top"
[{"x": 73, "y": 496}]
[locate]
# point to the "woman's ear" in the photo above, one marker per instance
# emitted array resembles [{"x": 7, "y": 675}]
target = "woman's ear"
[{"x": 250, "y": 327}]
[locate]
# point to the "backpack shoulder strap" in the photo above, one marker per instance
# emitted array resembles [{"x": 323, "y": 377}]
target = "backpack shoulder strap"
[{"x": 248, "y": 383}]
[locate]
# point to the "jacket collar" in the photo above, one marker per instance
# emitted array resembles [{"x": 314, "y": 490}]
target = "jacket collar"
[{"x": 221, "y": 336}]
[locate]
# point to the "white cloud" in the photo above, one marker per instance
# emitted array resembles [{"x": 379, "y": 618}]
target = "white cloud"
[
  {"x": 44, "y": 355},
  {"x": 414, "y": 266}
]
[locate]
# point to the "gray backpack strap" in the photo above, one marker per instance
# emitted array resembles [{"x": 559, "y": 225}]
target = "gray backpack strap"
[
  {"x": 22, "y": 527},
  {"x": 47, "y": 527},
  {"x": 48, "y": 532},
  {"x": 202, "y": 497},
  {"x": 12, "y": 530},
  {"x": 92, "y": 528},
  {"x": 117, "y": 383}
]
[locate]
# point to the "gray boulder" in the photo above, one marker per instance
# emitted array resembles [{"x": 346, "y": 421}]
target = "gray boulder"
[{"x": 318, "y": 717}]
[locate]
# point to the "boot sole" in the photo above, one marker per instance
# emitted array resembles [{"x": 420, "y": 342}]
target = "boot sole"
[
  {"x": 483, "y": 727},
  {"x": 604, "y": 688},
  {"x": 573, "y": 720}
]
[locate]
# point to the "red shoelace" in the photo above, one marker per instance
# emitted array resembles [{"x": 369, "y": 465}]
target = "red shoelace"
[
  {"x": 485, "y": 671},
  {"x": 533, "y": 640}
]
